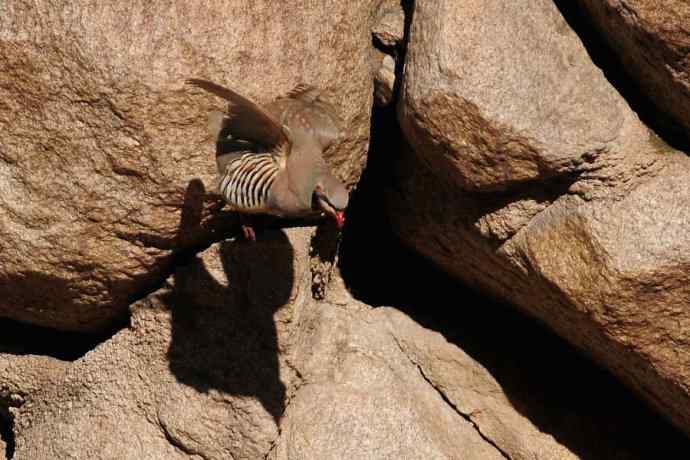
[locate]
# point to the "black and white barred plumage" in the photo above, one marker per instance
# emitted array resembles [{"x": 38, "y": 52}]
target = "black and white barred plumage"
[{"x": 247, "y": 180}]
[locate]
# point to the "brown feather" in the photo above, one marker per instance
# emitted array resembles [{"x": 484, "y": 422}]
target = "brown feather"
[
  {"x": 304, "y": 92},
  {"x": 305, "y": 102},
  {"x": 246, "y": 120}
]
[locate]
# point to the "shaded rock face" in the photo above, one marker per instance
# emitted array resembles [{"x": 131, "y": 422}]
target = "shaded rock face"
[
  {"x": 199, "y": 372},
  {"x": 102, "y": 146},
  {"x": 651, "y": 39},
  {"x": 545, "y": 380},
  {"x": 233, "y": 358},
  {"x": 227, "y": 348},
  {"x": 537, "y": 183},
  {"x": 469, "y": 125}
]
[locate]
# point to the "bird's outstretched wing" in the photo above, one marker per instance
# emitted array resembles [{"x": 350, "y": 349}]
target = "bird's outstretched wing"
[
  {"x": 254, "y": 153},
  {"x": 307, "y": 102},
  {"x": 245, "y": 120}
]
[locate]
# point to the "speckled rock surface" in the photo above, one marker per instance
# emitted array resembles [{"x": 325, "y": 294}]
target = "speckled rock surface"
[
  {"x": 367, "y": 373},
  {"x": 524, "y": 173},
  {"x": 225, "y": 350},
  {"x": 490, "y": 130},
  {"x": 384, "y": 81},
  {"x": 389, "y": 25},
  {"x": 198, "y": 374},
  {"x": 232, "y": 358},
  {"x": 565, "y": 205},
  {"x": 102, "y": 146}
]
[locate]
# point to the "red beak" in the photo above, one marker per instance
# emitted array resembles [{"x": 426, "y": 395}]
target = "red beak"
[{"x": 340, "y": 219}]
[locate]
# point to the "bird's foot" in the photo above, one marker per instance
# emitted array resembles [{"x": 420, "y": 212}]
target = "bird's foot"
[
  {"x": 247, "y": 229},
  {"x": 249, "y": 233}
]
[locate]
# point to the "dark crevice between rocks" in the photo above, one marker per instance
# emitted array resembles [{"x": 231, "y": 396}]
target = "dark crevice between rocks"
[
  {"x": 272, "y": 448},
  {"x": 391, "y": 50},
  {"x": 455, "y": 408},
  {"x": 397, "y": 51},
  {"x": 324, "y": 247},
  {"x": 604, "y": 57},
  {"x": 7, "y": 430},
  {"x": 559, "y": 390},
  {"x": 27, "y": 339},
  {"x": 408, "y": 9}
]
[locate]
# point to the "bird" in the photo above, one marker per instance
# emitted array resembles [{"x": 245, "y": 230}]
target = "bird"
[{"x": 275, "y": 162}]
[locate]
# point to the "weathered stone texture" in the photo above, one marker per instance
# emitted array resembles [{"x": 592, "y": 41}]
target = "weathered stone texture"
[
  {"x": 234, "y": 345},
  {"x": 101, "y": 140},
  {"x": 530, "y": 177}
]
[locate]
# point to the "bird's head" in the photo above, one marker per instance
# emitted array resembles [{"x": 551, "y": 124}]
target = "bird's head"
[{"x": 331, "y": 197}]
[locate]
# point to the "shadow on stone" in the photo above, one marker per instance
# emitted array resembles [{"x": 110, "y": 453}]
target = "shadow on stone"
[
  {"x": 7, "y": 431},
  {"x": 54, "y": 305},
  {"x": 26, "y": 339},
  {"x": 662, "y": 124},
  {"x": 223, "y": 332},
  {"x": 562, "y": 392}
]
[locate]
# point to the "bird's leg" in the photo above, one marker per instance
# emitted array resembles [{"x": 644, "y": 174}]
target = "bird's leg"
[
  {"x": 247, "y": 229},
  {"x": 216, "y": 207}
]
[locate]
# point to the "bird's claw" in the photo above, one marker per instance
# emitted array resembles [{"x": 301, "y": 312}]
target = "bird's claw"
[{"x": 249, "y": 233}]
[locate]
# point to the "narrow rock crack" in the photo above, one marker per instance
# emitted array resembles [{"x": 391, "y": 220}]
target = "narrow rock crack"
[
  {"x": 450, "y": 403},
  {"x": 460, "y": 413}
]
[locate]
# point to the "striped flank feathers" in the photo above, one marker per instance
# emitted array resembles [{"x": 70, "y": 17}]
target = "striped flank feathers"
[{"x": 246, "y": 182}]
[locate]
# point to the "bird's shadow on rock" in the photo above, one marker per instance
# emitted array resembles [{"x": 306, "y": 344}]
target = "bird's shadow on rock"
[{"x": 223, "y": 302}]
